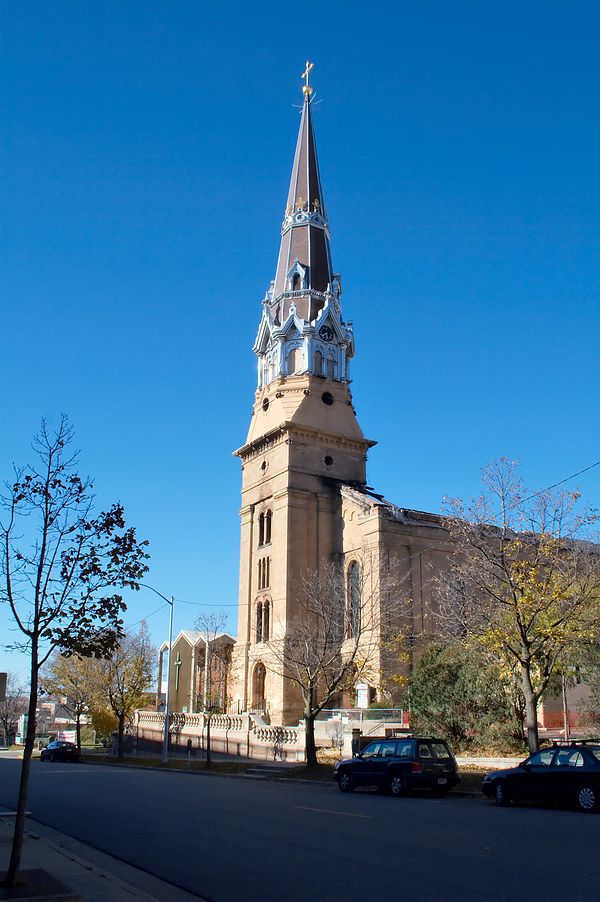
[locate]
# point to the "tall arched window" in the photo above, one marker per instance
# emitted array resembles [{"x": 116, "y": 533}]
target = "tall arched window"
[
  {"x": 294, "y": 361},
  {"x": 259, "y": 622},
  {"x": 353, "y": 623},
  {"x": 263, "y": 621},
  {"x": 296, "y": 282},
  {"x": 330, "y": 368},
  {"x": 318, "y": 363},
  {"x": 268, "y": 518},
  {"x": 261, "y": 530},
  {"x": 258, "y": 689},
  {"x": 264, "y": 572}
]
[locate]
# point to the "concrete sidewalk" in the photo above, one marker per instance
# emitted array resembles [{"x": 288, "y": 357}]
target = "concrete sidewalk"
[{"x": 88, "y": 874}]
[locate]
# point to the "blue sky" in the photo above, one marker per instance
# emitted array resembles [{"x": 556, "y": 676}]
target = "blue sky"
[{"x": 146, "y": 151}]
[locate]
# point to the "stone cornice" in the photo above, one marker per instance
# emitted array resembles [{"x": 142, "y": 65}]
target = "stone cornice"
[
  {"x": 331, "y": 439},
  {"x": 290, "y": 432},
  {"x": 267, "y": 440}
]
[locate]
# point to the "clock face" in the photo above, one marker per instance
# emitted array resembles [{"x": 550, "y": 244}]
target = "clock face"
[{"x": 326, "y": 333}]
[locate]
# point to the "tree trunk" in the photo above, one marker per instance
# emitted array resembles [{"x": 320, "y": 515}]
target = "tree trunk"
[
  {"x": 120, "y": 733},
  {"x": 311, "y": 748},
  {"x": 531, "y": 701},
  {"x": 78, "y": 731},
  {"x": 17, "y": 843},
  {"x": 208, "y": 761}
]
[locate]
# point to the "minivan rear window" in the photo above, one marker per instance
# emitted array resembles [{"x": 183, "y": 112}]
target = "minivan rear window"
[{"x": 433, "y": 750}]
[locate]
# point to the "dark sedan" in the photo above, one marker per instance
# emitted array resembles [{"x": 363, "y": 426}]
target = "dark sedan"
[
  {"x": 400, "y": 765},
  {"x": 60, "y": 751},
  {"x": 562, "y": 774}
]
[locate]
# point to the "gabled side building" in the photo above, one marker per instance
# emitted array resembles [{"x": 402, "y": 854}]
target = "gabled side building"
[{"x": 196, "y": 683}]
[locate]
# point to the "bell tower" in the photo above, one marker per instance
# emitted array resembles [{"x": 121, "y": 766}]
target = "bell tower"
[{"x": 304, "y": 440}]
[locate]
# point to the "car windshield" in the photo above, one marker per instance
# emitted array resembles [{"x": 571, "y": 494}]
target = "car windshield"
[{"x": 371, "y": 750}]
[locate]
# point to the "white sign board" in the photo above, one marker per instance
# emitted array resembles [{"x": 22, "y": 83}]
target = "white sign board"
[{"x": 362, "y": 695}]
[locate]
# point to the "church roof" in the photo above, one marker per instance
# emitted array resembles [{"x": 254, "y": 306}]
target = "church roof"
[
  {"x": 195, "y": 637},
  {"x": 369, "y": 499},
  {"x": 305, "y": 233}
]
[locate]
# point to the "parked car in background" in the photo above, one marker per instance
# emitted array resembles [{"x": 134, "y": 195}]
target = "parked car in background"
[
  {"x": 60, "y": 751},
  {"x": 565, "y": 774},
  {"x": 399, "y": 766}
]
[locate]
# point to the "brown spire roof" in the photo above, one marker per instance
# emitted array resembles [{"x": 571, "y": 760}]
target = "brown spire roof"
[{"x": 304, "y": 264}]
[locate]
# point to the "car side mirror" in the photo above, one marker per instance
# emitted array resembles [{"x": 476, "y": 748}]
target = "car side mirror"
[{"x": 523, "y": 764}]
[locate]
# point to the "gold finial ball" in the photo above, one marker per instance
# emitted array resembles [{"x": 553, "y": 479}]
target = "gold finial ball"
[{"x": 306, "y": 89}]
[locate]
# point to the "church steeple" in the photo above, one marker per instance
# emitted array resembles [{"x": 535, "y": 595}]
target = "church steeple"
[
  {"x": 304, "y": 256},
  {"x": 302, "y": 330}
]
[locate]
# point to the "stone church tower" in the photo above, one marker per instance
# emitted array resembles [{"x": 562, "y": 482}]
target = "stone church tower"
[
  {"x": 304, "y": 438},
  {"x": 304, "y": 493}
]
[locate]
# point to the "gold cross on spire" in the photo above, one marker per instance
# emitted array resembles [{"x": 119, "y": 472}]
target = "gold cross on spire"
[{"x": 306, "y": 88}]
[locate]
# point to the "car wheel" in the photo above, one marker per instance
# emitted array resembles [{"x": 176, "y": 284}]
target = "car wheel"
[
  {"x": 397, "y": 787},
  {"x": 500, "y": 795},
  {"x": 587, "y": 798},
  {"x": 345, "y": 782},
  {"x": 51, "y": 756}
]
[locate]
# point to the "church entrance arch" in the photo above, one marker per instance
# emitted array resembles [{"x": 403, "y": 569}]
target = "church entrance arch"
[{"x": 258, "y": 689}]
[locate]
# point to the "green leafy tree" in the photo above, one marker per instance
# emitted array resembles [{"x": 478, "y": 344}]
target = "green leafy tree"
[
  {"x": 128, "y": 674},
  {"x": 75, "y": 680},
  {"x": 104, "y": 721},
  {"x": 455, "y": 691},
  {"x": 524, "y": 580},
  {"x": 61, "y": 565}
]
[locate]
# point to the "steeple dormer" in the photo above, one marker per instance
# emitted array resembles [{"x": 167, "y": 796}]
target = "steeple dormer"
[{"x": 306, "y": 291}]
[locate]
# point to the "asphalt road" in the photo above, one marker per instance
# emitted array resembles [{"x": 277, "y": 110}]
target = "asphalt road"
[{"x": 237, "y": 840}]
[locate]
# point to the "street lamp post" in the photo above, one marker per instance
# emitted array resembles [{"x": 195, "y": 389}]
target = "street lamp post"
[{"x": 164, "y": 755}]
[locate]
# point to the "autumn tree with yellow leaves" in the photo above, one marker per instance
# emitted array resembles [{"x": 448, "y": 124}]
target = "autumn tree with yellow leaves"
[{"x": 524, "y": 580}]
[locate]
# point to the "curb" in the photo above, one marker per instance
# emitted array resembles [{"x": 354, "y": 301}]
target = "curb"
[
  {"x": 457, "y": 793},
  {"x": 207, "y": 773}
]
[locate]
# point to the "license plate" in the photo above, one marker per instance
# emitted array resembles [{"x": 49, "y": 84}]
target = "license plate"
[{"x": 441, "y": 780}]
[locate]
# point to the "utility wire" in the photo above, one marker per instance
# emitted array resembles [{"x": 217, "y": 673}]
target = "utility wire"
[
  {"x": 147, "y": 616},
  {"x": 207, "y": 604},
  {"x": 555, "y": 485}
]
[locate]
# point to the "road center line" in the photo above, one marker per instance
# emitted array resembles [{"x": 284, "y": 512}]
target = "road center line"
[{"x": 329, "y": 811}]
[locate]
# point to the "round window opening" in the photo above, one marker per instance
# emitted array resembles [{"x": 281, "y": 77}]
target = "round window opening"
[
  {"x": 327, "y": 398},
  {"x": 328, "y": 460},
  {"x": 265, "y": 404}
]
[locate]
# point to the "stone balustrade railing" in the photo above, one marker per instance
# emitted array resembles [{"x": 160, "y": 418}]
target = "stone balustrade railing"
[
  {"x": 275, "y": 735},
  {"x": 239, "y": 734}
]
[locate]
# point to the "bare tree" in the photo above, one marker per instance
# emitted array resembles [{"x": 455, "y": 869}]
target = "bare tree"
[
  {"x": 216, "y": 662},
  {"x": 524, "y": 579},
  {"x": 13, "y": 703},
  {"x": 75, "y": 680},
  {"x": 345, "y": 616},
  {"x": 128, "y": 675},
  {"x": 59, "y": 567}
]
